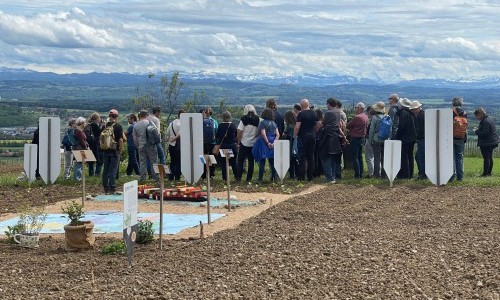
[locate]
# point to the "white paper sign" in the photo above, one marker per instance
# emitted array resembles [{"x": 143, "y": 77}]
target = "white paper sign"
[
  {"x": 439, "y": 145},
  {"x": 130, "y": 198},
  {"x": 191, "y": 146},
  {"x": 281, "y": 157},
  {"x": 30, "y": 160},
  {"x": 48, "y": 146},
  {"x": 392, "y": 159}
]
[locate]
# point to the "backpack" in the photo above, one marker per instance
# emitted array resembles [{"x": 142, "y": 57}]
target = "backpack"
[
  {"x": 384, "y": 129},
  {"x": 208, "y": 131},
  {"x": 89, "y": 133},
  {"x": 459, "y": 126},
  {"x": 69, "y": 140},
  {"x": 107, "y": 139},
  {"x": 152, "y": 134}
]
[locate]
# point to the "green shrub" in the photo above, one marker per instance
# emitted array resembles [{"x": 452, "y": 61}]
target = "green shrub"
[
  {"x": 113, "y": 248},
  {"x": 145, "y": 232},
  {"x": 13, "y": 230}
]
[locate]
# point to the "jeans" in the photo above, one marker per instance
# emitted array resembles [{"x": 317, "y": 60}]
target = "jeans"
[
  {"x": 175, "y": 163},
  {"x": 369, "y": 158},
  {"x": 420, "y": 158},
  {"x": 378, "y": 159},
  {"x": 306, "y": 149},
  {"x": 330, "y": 164},
  {"x": 487, "y": 153},
  {"x": 232, "y": 160},
  {"x": 245, "y": 153},
  {"x": 78, "y": 171},
  {"x": 133, "y": 160},
  {"x": 458, "y": 155},
  {"x": 161, "y": 153},
  {"x": 262, "y": 167},
  {"x": 357, "y": 156},
  {"x": 147, "y": 152},
  {"x": 110, "y": 167},
  {"x": 407, "y": 164},
  {"x": 68, "y": 163}
]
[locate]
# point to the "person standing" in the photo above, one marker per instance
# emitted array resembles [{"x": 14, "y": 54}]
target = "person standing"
[
  {"x": 378, "y": 110},
  {"x": 305, "y": 130},
  {"x": 209, "y": 129},
  {"x": 226, "y": 138},
  {"x": 147, "y": 151},
  {"x": 278, "y": 118},
  {"x": 330, "y": 147},
  {"x": 458, "y": 141},
  {"x": 68, "y": 155},
  {"x": 418, "y": 112},
  {"x": 406, "y": 133},
  {"x": 369, "y": 158},
  {"x": 93, "y": 132},
  {"x": 155, "y": 118},
  {"x": 111, "y": 157},
  {"x": 290, "y": 119},
  {"x": 174, "y": 147},
  {"x": 264, "y": 146},
  {"x": 80, "y": 145},
  {"x": 487, "y": 139},
  {"x": 357, "y": 128},
  {"x": 133, "y": 154},
  {"x": 247, "y": 135},
  {"x": 394, "y": 113}
]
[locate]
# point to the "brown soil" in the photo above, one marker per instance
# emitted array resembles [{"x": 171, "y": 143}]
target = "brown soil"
[{"x": 338, "y": 242}]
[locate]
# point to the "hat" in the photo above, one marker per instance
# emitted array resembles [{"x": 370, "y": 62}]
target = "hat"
[
  {"x": 113, "y": 112},
  {"x": 405, "y": 102},
  {"x": 415, "y": 104},
  {"x": 379, "y": 107},
  {"x": 393, "y": 96},
  {"x": 143, "y": 113}
]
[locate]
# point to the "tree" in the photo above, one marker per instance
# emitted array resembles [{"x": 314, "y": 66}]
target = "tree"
[{"x": 170, "y": 92}]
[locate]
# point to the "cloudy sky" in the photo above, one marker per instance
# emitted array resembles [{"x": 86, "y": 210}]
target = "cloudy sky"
[{"x": 386, "y": 39}]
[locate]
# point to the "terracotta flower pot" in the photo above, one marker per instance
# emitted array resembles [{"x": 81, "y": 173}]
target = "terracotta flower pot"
[{"x": 79, "y": 236}]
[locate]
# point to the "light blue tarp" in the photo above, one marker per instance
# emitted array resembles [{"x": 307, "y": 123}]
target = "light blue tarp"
[{"x": 112, "y": 222}]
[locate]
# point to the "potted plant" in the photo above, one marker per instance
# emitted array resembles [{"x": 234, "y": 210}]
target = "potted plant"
[
  {"x": 31, "y": 221},
  {"x": 78, "y": 234}
]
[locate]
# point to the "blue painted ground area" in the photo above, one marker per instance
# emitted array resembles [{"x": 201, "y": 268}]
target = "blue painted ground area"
[
  {"x": 112, "y": 222},
  {"x": 214, "y": 202}
]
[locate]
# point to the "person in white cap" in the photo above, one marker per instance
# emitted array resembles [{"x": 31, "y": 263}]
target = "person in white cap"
[
  {"x": 407, "y": 134},
  {"x": 418, "y": 112}
]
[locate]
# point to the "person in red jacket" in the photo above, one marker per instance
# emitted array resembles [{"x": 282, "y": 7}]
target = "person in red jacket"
[{"x": 357, "y": 129}]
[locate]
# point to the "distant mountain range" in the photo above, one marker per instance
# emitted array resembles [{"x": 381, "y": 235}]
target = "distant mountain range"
[{"x": 307, "y": 80}]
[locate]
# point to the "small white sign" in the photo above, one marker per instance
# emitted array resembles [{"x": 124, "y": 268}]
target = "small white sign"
[
  {"x": 392, "y": 159},
  {"x": 223, "y": 152},
  {"x": 49, "y": 144},
  {"x": 281, "y": 157},
  {"x": 130, "y": 197},
  {"x": 30, "y": 160},
  {"x": 156, "y": 169}
]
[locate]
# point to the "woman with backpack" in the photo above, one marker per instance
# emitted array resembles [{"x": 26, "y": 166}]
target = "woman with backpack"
[{"x": 487, "y": 139}]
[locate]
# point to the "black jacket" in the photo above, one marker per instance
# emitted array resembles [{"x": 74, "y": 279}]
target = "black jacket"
[
  {"x": 420, "y": 125},
  {"x": 487, "y": 134},
  {"x": 406, "y": 132}
]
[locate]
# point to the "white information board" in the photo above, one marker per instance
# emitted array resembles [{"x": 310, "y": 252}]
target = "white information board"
[
  {"x": 392, "y": 159},
  {"x": 439, "y": 145},
  {"x": 30, "y": 160},
  {"x": 49, "y": 144},
  {"x": 191, "y": 146},
  {"x": 130, "y": 197},
  {"x": 281, "y": 157}
]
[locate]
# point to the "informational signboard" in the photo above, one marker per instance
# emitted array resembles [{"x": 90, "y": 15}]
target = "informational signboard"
[
  {"x": 48, "y": 147},
  {"x": 392, "y": 159},
  {"x": 191, "y": 146},
  {"x": 224, "y": 151},
  {"x": 130, "y": 197},
  {"x": 439, "y": 145},
  {"x": 30, "y": 160},
  {"x": 80, "y": 155},
  {"x": 281, "y": 157}
]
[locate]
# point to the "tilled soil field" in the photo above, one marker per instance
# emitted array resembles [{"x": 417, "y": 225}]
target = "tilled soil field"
[{"x": 342, "y": 242}]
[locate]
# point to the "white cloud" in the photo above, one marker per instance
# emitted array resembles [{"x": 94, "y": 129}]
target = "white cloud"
[{"x": 405, "y": 39}]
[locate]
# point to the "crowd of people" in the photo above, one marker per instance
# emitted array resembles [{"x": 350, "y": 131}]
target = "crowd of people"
[{"x": 318, "y": 141}]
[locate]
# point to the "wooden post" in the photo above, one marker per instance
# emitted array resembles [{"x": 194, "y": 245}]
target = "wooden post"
[
  {"x": 228, "y": 181},
  {"x": 207, "y": 172},
  {"x": 161, "y": 170},
  {"x": 83, "y": 176}
]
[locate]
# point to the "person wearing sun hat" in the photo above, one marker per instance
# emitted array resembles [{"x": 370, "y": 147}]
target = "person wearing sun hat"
[
  {"x": 111, "y": 157},
  {"x": 407, "y": 134},
  {"x": 418, "y": 112},
  {"x": 378, "y": 110}
]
